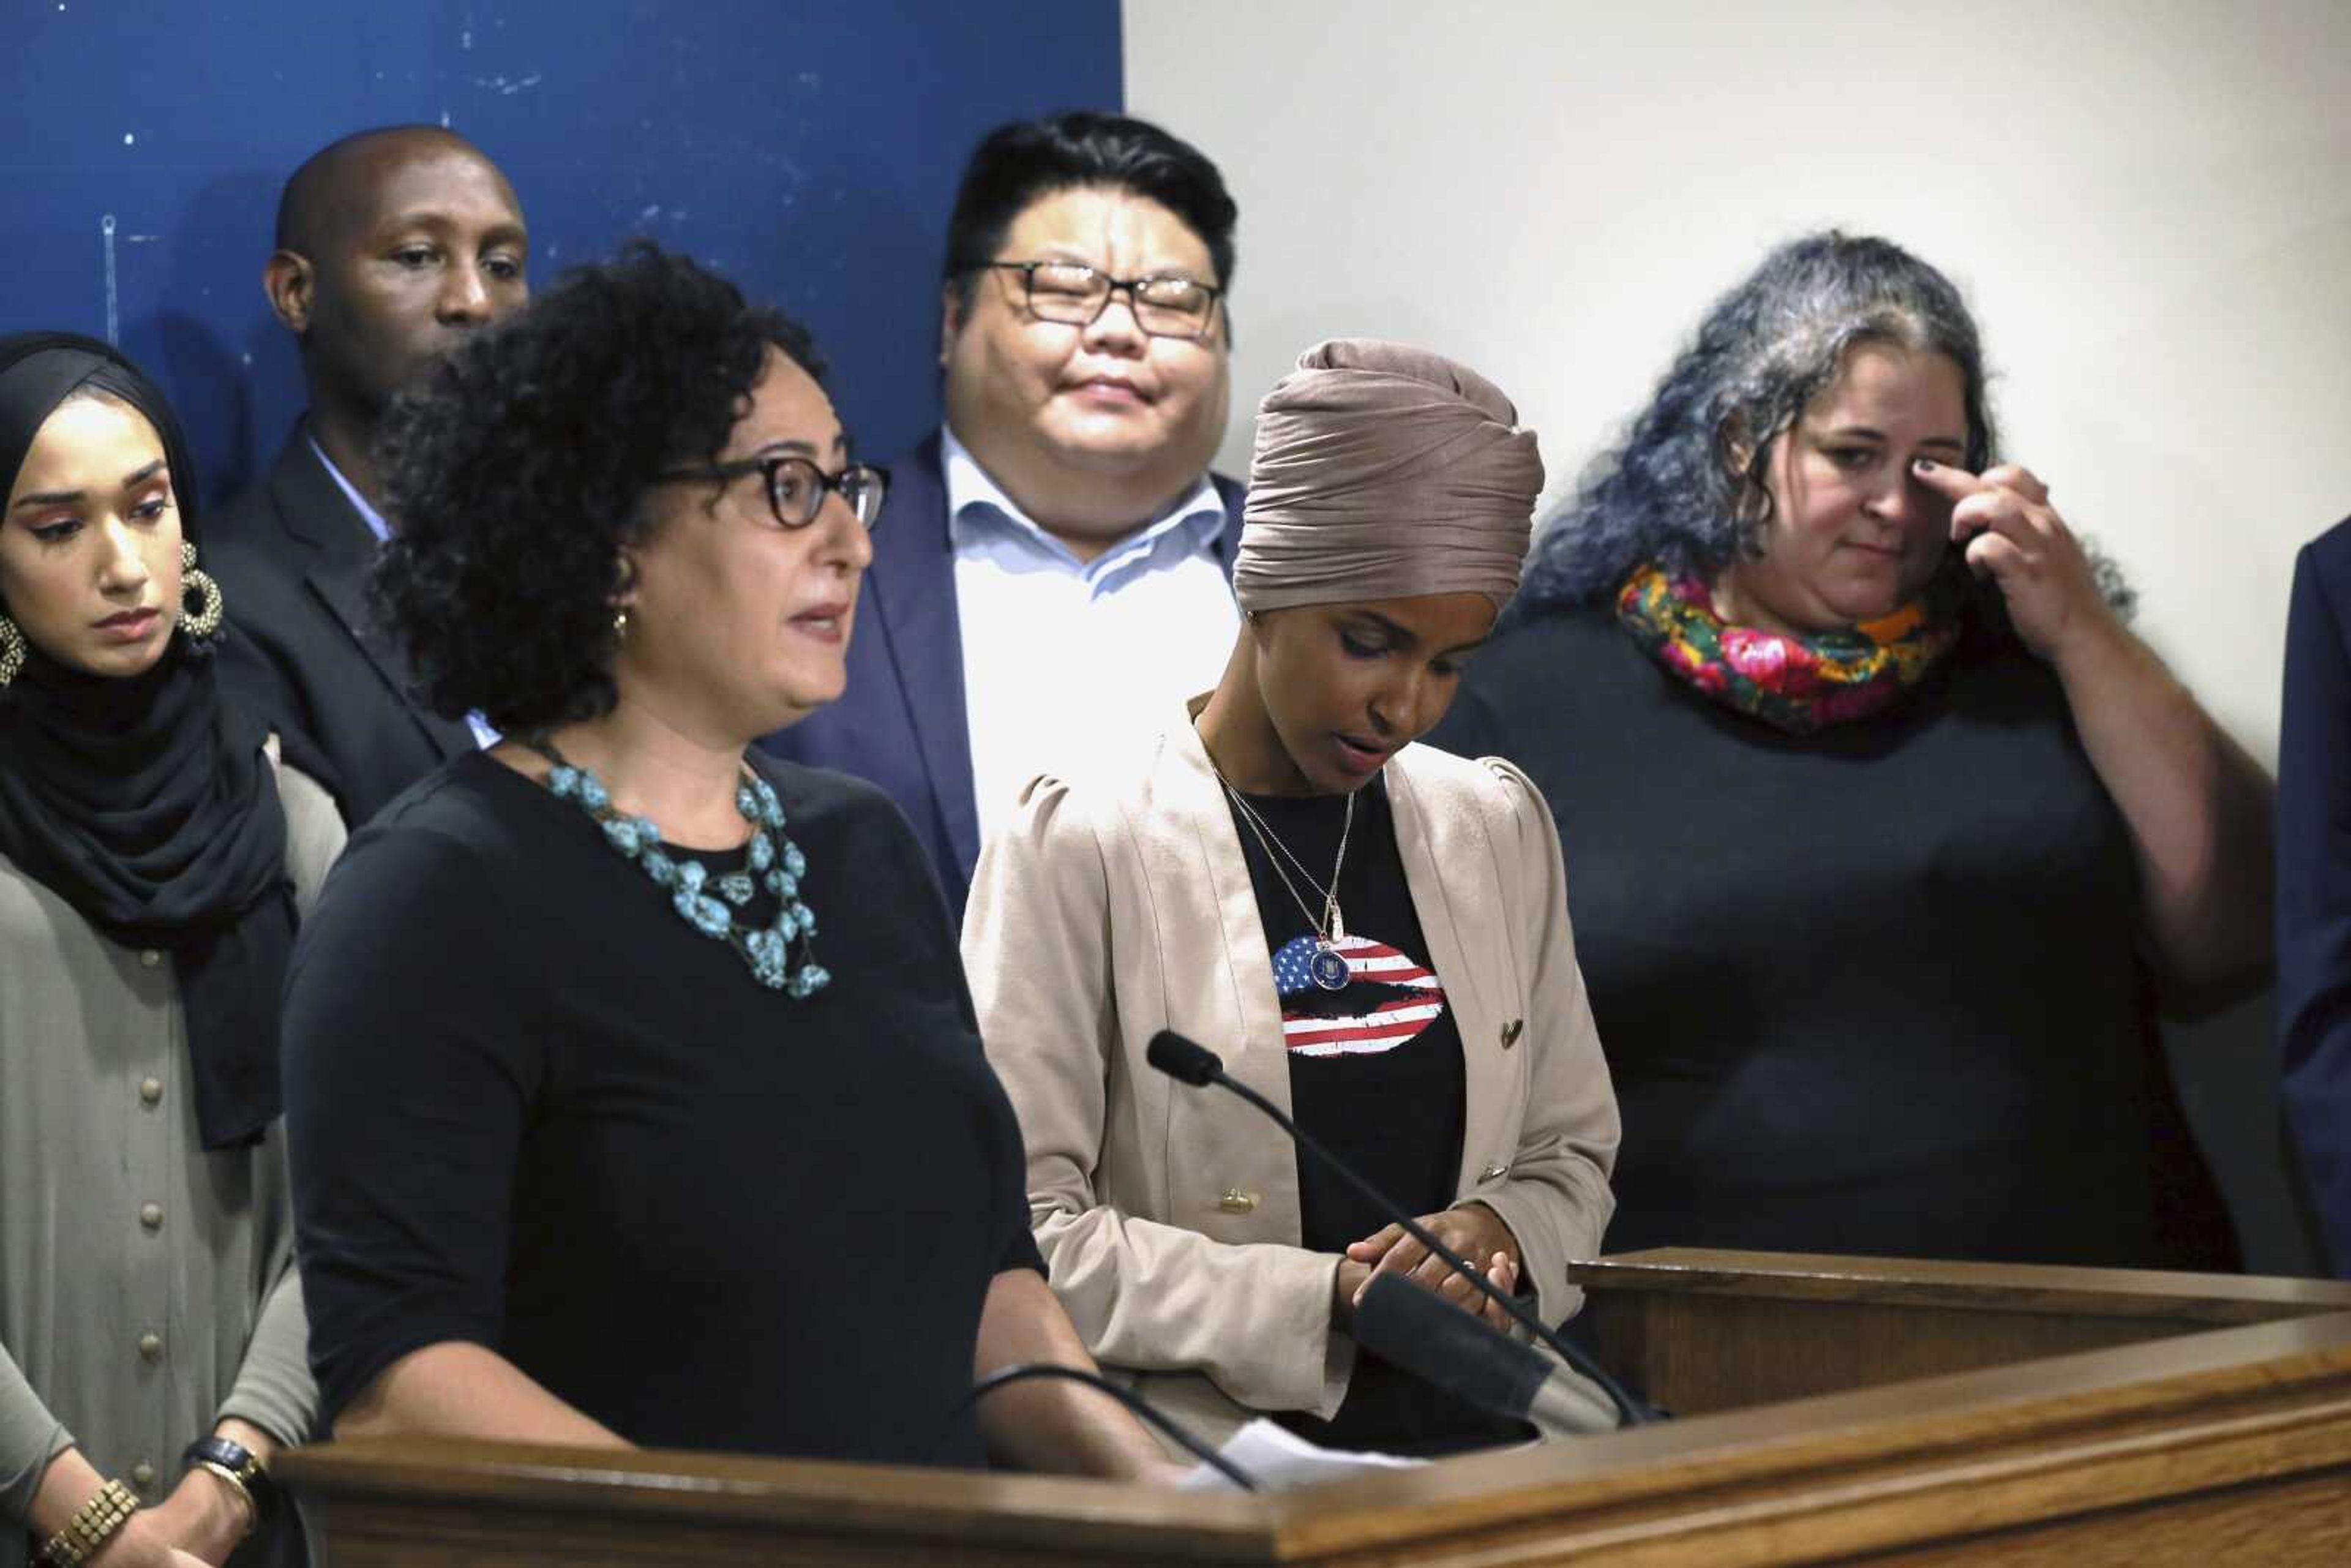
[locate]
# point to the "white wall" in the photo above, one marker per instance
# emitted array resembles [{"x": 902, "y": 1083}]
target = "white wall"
[{"x": 2148, "y": 205}]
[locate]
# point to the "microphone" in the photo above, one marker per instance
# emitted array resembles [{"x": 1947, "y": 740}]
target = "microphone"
[
  {"x": 1021, "y": 1372},
  {"x": 1187, "y": 1061},
  {"x": 1469, "y": 1358}
]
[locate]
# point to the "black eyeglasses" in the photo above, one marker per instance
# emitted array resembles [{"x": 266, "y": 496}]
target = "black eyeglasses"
[
  {"x": 1076, "y": 295},
  {"x": 797, "y": 487}
]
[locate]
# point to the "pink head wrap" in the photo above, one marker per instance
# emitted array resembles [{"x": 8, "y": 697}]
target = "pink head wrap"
[{"x": 1384, "y": 472}]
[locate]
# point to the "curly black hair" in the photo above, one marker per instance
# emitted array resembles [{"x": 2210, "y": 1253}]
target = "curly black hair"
[
  {"x": 520, "y": 467},
  {"x": 1686, "y": 488}
]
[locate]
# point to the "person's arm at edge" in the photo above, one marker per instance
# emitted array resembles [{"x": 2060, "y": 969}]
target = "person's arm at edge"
[
  {"x": 457, "y": 1389},
  {"x": 271, "y": 1407},
  {"x": 1054, "y": 1424},
  {"x": 403, "y": 1276},
  {"x": 47, "y": 1477},
  {"x": 2314, "y": 897},
  {"x": 70, "y": 1481},
  {"x": 2198, "y": 807}
]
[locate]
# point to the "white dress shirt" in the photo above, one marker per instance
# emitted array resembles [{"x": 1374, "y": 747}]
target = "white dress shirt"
[{"x": 1062, "y": 658}]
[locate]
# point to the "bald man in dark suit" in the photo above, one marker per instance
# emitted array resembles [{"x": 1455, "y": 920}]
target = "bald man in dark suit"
[{"x": 391, "y": 246}]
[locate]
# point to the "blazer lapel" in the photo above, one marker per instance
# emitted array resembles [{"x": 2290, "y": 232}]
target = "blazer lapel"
[
  {"x": 1191, "y": 796},
  {"x": 912, "y": 586},
  {"x": 1435, "y": 835},
  {"x": 1195, "y": 854},
  {"x": 344, "y": 552}
]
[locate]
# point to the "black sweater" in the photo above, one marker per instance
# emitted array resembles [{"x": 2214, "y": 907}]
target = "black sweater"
[{"x": 1876, "y": 990}]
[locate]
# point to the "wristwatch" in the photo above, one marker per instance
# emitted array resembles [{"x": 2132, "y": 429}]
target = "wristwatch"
[{"x": 237, "y": 1465}]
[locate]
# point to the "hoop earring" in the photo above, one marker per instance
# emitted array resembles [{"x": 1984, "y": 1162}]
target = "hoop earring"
[
  {"x": 204, "y": 617},
  {"x": 12, "y": 650}
]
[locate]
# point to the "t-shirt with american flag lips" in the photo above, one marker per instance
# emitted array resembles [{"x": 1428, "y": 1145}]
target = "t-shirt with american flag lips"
[
  {"x": 1376, "y": 1074},
  {"x": 1375, "y": 1067}
]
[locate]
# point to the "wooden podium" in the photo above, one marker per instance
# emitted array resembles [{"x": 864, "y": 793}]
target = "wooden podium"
[{"x": 1832, "y": 1410}]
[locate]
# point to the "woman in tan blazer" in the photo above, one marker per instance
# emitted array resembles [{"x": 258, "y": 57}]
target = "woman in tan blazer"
[
  {"x": 151, "y": 858},
  {"x": 1372, "y": 934}
]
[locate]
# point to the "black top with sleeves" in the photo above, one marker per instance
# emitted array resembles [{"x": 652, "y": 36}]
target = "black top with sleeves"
[
  {"x": 531, "y": 1108},
  {"x": 1876, "y": 990}
]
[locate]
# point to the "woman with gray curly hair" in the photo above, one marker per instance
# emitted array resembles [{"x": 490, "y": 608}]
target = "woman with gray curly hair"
[{"x": 1888, "y": 834}]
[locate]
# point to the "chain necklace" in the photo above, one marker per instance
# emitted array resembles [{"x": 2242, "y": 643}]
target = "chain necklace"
[
  {"x": 1328, "y": 967},
  {"x": 769, "y": 856}
]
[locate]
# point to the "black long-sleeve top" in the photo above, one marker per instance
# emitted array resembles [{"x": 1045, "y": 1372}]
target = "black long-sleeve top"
[
  {"x": 531, "y": 1108},
  {"x": 1874, "y": 991}
]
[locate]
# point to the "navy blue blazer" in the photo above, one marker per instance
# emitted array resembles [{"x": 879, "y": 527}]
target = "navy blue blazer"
[
  {"x": 2314, "y": 877},
  {"x": 902, "y": 723}
]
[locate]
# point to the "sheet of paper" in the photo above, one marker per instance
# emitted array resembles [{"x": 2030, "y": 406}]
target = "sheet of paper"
[{"x": 1280, "y": 1459}]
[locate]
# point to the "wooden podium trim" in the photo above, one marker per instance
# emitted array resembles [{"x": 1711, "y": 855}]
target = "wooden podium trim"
[
  {"x": 2217, "y": 1299},
  {"x": 1864, "y": 1473},
  {"x": 2215, "y": 1446},
  {"x": 601, "y": 1496}
]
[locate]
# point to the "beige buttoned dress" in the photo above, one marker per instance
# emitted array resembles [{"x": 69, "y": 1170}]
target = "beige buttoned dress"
[{"x": 147, "y": 1286}]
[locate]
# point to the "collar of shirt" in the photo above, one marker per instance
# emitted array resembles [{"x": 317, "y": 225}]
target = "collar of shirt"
[
  {"x": 982, "y": 520},
  {"x": 484, "y": 737},
  {"x": 368, "y": 515}
]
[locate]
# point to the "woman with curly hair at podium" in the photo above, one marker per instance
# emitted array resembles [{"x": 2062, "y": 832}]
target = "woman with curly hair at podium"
[{"x": 634, "y": 1089}]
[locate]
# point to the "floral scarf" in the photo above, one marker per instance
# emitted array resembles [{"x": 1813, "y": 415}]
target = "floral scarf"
[{"x": 1800, "y": 685}]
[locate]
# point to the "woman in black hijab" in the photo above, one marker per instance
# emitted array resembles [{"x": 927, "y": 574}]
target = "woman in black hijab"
[{"x": 152, "y": 857}]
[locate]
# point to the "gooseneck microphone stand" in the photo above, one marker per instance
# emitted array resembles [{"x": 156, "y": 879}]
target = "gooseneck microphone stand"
[{"x": 1188, "y": 1061}]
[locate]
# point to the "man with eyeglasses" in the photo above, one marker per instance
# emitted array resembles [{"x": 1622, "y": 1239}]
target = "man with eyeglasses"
[
  {"x": 392, "y": 247},
  {"x": 1052, "y": 571}
]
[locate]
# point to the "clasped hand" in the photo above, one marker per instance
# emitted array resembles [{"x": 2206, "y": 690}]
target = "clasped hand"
[
  {"x": 196, "y": 1527},
  {"x": 201, "y": 1518},
  {"x": 1473, "y": 1231}
]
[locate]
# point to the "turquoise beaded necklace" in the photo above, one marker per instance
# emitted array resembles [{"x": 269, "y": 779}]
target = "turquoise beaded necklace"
[{"x": 708, "y": 904}]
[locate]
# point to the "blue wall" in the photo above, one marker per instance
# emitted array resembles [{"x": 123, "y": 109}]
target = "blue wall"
[{"x": 809, "y": 150}]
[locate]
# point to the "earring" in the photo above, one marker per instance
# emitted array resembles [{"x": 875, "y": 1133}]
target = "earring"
[
  {"x": 624, "y": 581},
  {"x": 12, "y": 650},
  {"x": 204, "y": 617}
]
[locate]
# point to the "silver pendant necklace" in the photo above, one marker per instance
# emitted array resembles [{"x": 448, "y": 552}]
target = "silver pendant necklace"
[{"x": 1328, "y": 967}]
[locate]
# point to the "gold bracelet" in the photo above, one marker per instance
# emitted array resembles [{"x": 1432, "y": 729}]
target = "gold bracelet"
[
  {"x": 234, "y": 1483},
  {"x": 90, "y": 1528}
]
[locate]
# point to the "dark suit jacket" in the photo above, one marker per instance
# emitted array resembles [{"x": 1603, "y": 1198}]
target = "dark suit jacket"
[
  {"x": 2313, "y": 877},
  {"x": 902, "y": 724},
  {"x": 292, "y": 557}
]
